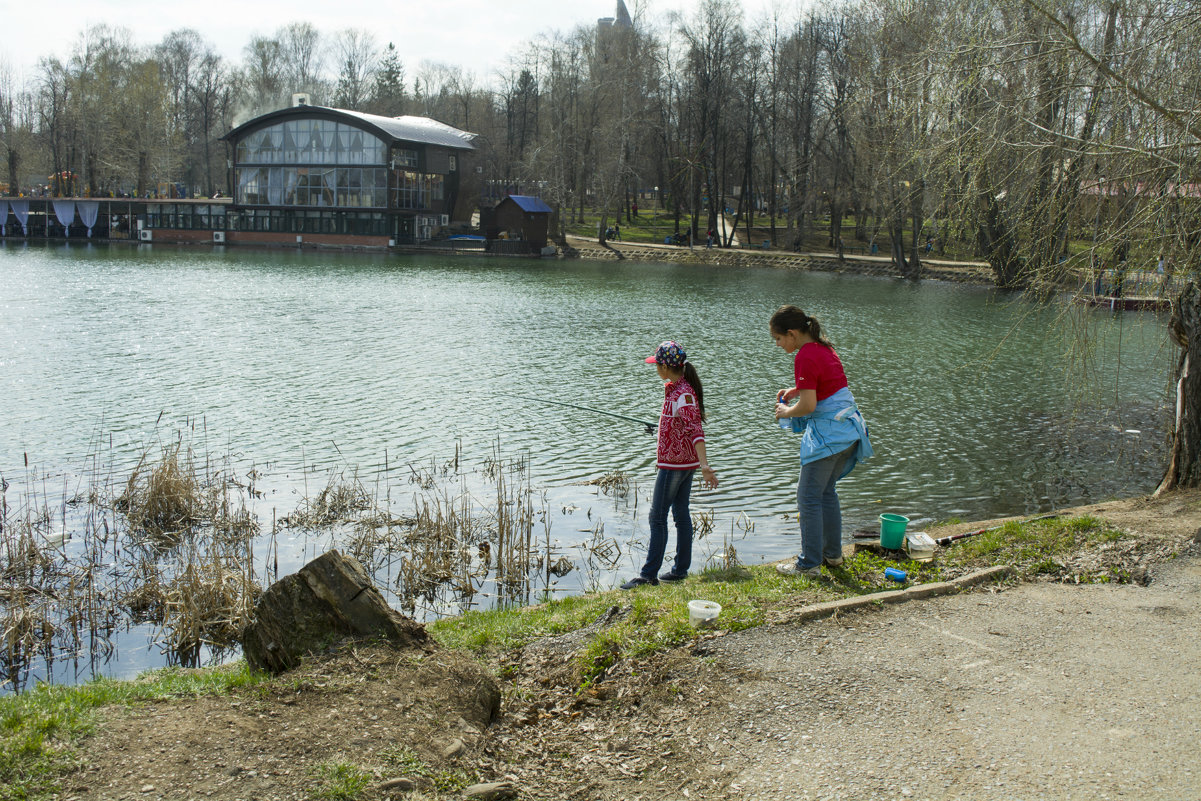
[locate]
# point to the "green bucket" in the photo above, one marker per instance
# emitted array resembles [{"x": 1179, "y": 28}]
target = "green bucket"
[{"x": 892, "y": 531}]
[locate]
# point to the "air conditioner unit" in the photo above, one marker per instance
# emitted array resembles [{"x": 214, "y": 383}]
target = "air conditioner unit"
[
  {"x": 146, "y": 235},
  {"x": 301, "y": 99},
  {"x": 446, "y": 219},
  {"x": 219, "y": 236}
]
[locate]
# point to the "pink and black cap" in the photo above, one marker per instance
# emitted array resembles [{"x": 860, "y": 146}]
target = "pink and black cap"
[{"x": 669, "y": 354}]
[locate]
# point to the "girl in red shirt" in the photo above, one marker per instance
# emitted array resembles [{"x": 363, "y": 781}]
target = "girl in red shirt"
[
  {"x": 829, "y": 449},
  {"x": 681, "y": 451}
]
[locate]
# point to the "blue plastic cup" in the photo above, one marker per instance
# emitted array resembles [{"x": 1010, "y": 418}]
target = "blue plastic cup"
[{"x": 895, "y": 574}]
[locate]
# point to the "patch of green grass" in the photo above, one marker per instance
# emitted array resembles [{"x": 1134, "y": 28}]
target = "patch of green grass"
[
  {"x": 339, "y": 781},
  {"x": 656, "y": 618},
  {"x": 649, "y": 226},
  {"x": 1032, "y": 546},
  {"x": 406, "y": 761},
  {"x": 40, "y": 728}
]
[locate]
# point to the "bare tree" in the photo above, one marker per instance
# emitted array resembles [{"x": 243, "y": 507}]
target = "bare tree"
[
  {"x": 263, "y": 85},
  {"x": 301, "y": 54},
  {"x": 357, "y": 56},
  {"x": 16, "y": 125}
]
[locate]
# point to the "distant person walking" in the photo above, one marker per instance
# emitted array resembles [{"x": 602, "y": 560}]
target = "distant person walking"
[
  {"x": 822, "y": 409},
  {"x": 680, "y": 452}
]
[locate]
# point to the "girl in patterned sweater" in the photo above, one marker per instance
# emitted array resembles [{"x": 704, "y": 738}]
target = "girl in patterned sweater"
[{"x": 681, "y": 451}]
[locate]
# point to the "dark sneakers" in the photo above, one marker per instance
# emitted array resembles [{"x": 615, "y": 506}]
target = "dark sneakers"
[
  {"x": 638, "y": 581},
  {"x": 671, "y": 578}
]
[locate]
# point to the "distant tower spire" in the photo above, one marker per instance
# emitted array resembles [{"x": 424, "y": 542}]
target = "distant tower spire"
[{"x": 622, "y": 16}]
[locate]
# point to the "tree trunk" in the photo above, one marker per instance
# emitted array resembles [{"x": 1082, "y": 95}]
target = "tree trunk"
[
  {"x": 917, "y": 202},
  {"x": 143, "y": 173},
  {"x": 1184, "y": 461},
  {"x": 14, "y": 165}
]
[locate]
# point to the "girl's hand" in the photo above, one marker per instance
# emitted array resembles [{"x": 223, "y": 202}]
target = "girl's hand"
[
  {"x": 783, "y": 410},
  {"x": 709, "y": 476}
]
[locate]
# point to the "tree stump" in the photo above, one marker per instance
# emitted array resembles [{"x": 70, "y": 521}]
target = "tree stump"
[{"x": 327, "y": 600}]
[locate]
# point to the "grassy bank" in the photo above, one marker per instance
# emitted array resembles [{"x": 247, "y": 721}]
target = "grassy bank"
[
  {"x": 42, "y": 731},
  {"x": 658, "y": 617}
]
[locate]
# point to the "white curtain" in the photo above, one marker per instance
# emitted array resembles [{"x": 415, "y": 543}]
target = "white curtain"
[
  {"x": 89, "y": 210},
  {"x": 330, "y": 179},
  {"x": 275, "y": 185},
  {"x": 21, "y": 210},
  {"x": 64, "y": 210},
  {"x": 293, "y": 180},
  {"x": 301, "y": 137},
  {"x": 245, "y": 176},
  {"x": 3, "y": 215}
]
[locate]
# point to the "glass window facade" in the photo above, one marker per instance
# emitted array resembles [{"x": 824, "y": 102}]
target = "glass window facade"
[
  {"x": 415, "y": 190},
  {"x": 311, "y": 142},
  {"x": 300, "y": 221},
  {"x": 186, "y": 216},
  {"x": 311, "y": 163},
  {"x": 345, "y": 187}
]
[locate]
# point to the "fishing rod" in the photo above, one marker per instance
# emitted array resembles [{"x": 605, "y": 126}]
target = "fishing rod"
[
  {"x": 944, "y": 541},
  {"x": 650, "y": 427}
]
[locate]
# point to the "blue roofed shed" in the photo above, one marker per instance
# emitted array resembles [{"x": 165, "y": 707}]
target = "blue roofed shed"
[{"x": 523, "y": 217}]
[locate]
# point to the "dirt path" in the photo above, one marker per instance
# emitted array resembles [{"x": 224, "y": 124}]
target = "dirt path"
[{"x": 1037, "y": 691}]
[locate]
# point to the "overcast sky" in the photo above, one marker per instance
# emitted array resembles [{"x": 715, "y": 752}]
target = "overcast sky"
[{"x": 477, "y": 35}]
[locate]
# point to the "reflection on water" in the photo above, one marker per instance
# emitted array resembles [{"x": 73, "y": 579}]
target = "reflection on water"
[{"x": 299, "y": 366}]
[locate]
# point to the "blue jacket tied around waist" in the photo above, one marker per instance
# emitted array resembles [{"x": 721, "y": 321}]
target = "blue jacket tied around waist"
[{"x": 831, "y": 428}]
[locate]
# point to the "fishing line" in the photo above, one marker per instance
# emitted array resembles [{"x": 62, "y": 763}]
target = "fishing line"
[{"x": 650, "y": 427}]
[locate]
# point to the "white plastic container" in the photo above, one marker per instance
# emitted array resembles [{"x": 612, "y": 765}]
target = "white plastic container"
[
  {"x": 921, "y": 546},
  {"x": 703, "y": 613}
]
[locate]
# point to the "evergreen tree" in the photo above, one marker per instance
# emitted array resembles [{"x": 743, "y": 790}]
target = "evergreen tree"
[{"x": 388, "y": 95}]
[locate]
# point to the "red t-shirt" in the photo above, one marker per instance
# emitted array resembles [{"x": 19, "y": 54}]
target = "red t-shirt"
[
  {"x": 679, "y": 428},
  {"x": 819, "y": 368}
]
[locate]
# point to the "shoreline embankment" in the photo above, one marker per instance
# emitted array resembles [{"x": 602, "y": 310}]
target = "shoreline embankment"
[{"x": 936, "y": 269}]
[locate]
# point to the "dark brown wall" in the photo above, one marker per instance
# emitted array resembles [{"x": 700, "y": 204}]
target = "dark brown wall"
[{"x": 510, "y": 217}]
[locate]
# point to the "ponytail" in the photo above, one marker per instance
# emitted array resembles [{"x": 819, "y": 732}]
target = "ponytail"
[
  {"x": 790, "y": 318},
  {"x": 695, "y": 380}
]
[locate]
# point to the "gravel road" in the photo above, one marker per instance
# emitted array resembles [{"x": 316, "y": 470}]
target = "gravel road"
[{"x": 1028, "y": 691}]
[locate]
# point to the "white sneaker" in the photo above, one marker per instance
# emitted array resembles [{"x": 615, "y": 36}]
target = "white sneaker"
[
  {"x": 792, "y": 569},
  {"x": 833, "y": 562}
]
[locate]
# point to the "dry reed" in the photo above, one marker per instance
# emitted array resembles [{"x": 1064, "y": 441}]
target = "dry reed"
[{"x": 171, "y": 543}]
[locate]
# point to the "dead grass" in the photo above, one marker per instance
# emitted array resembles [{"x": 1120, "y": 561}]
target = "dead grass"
[{"x": 162, "y": 499}]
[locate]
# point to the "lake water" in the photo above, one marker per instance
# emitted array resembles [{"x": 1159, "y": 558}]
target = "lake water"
[{"x": 302, "y": 364}]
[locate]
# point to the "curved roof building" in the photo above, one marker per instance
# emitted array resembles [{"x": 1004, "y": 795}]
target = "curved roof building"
[{"x": 335, "y": 176}]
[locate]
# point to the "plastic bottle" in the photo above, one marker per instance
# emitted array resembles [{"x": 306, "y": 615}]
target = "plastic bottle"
[{"x": 784, "y": 422}]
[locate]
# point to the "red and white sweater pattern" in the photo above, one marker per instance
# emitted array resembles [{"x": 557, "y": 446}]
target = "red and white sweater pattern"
[{"x": 679, "y": 428}]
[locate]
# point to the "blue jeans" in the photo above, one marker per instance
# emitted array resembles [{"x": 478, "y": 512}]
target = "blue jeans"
[
  {"x": 821, "y": 516},
  {"x": 673, "y": 488}
]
